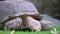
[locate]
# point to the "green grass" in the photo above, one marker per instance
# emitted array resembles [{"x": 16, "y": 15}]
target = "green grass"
[{"x": 27, "y": 32}]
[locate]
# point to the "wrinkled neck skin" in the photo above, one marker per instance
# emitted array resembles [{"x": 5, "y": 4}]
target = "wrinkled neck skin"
[
  {"x": 30, "y": 18},
  {"x": 13, "y": 0}
]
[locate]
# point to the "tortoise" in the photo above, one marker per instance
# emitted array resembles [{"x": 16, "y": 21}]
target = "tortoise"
[{"x": 12, "y": 9}]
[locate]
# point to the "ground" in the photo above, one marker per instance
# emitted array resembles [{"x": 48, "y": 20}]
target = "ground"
[{"x": 27, "y": 32}]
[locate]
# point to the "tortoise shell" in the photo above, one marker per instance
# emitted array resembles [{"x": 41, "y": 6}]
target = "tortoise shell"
[{"x": 16, "y": 8}]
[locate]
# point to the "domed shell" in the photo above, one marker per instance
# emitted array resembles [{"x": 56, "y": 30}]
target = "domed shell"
[{"x": 17, "y": 8}]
